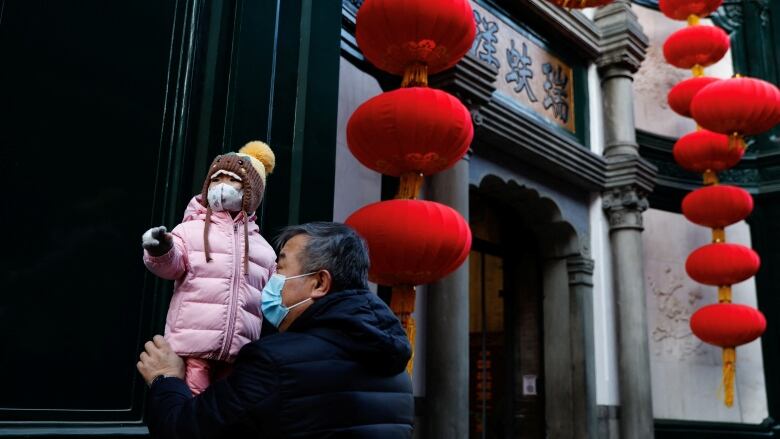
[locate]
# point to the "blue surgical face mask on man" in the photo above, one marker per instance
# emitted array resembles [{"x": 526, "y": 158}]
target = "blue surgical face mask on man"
[{"x": 271, "y": 305}]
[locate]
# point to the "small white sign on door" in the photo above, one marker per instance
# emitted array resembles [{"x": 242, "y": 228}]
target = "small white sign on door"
[{"x": 529, "y": 385}]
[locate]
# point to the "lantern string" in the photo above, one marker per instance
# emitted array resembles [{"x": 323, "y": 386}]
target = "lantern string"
[
  {"x": 718, "y": 235},
  {"x": 402, "y": 304},
  {"x": 729, "y": 372},
  {"x": 724, "y": 294},
  {"x": 410, "y": 185},
  {"x": 415, "y": 75}
]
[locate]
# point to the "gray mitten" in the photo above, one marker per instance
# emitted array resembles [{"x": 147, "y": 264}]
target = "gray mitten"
[{"x": 157, "y": 241}]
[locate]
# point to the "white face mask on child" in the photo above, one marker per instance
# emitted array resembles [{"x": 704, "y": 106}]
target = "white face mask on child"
[{"x": 225, "y": 197}]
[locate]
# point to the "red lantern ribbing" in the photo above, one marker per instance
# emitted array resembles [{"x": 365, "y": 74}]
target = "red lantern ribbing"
[
  {"x": 580, "y": 4},
  {"x": 705, "y": 152},
  {"x": 722, "y": 264},
  {"x": 682, "y": 9},
  {"x": 681, "y": 95},
  {"x": 737, "y": 107},
  {"x": 696, "y": 46},
  {"x": 409, "y": 133},
  {"x": 717, "y": 206},
  {"x": 415, "y": 38},
  {"x": 411, "y": 242}
]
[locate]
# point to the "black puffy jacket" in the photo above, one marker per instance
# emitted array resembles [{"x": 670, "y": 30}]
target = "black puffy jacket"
[{"x": 338, "y": 371}]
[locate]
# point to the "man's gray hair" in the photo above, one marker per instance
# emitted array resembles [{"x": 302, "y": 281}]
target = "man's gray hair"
[{"x": 335, "y": 247}]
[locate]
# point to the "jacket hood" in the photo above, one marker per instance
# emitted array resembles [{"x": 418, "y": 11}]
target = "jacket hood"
[
  {"x": 197, "y": 211},
  {"x": 361, "y": 324}
]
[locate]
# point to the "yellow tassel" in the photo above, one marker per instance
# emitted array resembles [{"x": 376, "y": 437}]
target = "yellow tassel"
[
  {"x": 697, "y": 71},
  {"x": 729, "y": 372},
  {"x": 724, "y": 294},
  {"x": 402, "y": 304},
  {"x": 737, "y": 141},
  {"x": 710, "y": 178},
  {"x": 718, "y": 235},
  {"x": 416, "y": 75},
  {"x": 411, "y": 182},
  {"x": 693, "y": 20},
  {"x": 411, "y": 332}
]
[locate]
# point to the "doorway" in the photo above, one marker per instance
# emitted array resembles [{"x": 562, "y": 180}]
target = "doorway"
[{"x": 506, "y": 378}]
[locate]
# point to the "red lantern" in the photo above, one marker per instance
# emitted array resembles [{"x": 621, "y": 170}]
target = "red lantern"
[
  {"x": 704, "y": 150},
  {"x": 682, "y": 9},
  {"x": 681, "y": 95},
  {"x": 728, "y": 325},
  {"x": 722, "y": 264},
  {"x": 696, "y": 46},
  {"x": 399, "y": 35},
  {"x": 580, "y": 4},
  {"x": 743, "y": 106},
  {"x": 412, "y": 242},
  {"x": 417, "y": 129},
  {"x": 717, "y": 206}
]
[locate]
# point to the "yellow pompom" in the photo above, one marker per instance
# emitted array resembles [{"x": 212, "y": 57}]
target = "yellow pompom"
[{"x": 262, "y": 152}]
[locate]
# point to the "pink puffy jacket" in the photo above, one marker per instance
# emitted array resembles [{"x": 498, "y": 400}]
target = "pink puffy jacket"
[{"x": 215, "y": 308}]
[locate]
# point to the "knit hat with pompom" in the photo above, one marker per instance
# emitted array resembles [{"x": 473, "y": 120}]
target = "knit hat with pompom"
[{"x": 250, "y": 165}]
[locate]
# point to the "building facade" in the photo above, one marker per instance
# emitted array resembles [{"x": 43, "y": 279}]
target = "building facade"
[{"x": 569, "y": 319}]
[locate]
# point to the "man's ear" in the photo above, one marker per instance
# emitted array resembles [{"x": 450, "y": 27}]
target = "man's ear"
[{"x": 323, "y": 282}]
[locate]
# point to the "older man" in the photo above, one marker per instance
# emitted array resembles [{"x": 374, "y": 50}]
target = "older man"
[{"x": 335, "y": 369}]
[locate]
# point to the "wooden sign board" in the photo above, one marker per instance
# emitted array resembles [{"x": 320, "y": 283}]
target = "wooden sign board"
[{"x": 527, "y": 73}]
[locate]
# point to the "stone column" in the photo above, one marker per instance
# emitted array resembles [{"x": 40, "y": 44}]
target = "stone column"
[
  {"x": 447, "y": 326},
  {"x": 629, "y": 179},
  {"x": 582, "y": 349},
  {"x": 558, "y": 383},
  {"x": 446, "y": 413},
  {"x": 624, "y": 208}
]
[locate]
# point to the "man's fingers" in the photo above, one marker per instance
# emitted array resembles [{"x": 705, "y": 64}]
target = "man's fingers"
[
  {"x": 150, "y": 347},
  {"x": 159, "y": 341},
  {"x": 159, "y": 232},
  {"x": 144, "y": 357}
]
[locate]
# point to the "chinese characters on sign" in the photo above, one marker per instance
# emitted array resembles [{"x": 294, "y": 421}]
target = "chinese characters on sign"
[{"x": 527, "y": 74}]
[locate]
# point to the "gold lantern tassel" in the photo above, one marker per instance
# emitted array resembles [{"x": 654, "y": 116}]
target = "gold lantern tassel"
[
  {"x": 416, "y": 75},
  {"x": 710, "y": 178},
  {"x": 697, "y": 71},
  {"x": 718, "y": 235},
  {"x": 736, "y": 141},
  {"x": 693, "y": 20},
  {"x": 729, "y": 372},
  {"x": 402, "y": 304},
  {"x": 410, "y": 185}
]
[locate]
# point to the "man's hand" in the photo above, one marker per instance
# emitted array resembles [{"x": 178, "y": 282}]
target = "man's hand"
[
  {"x": 159, "y": 359},
  {"x": 157, "y": 241}
]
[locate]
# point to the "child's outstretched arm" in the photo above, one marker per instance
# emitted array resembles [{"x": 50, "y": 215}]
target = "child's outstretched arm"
[{"x": 164, "y": 253}]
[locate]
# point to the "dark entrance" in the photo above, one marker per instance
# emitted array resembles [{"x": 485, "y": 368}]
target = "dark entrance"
[{"x": 506, "y": 341}]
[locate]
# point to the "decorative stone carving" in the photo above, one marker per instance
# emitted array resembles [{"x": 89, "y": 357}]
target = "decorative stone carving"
[
  {"x": 671, "y": 332},
  {"x": 623, "y": 43},
  {"x": 624, "y": 207},
  {"x": 580, "y": 270}
]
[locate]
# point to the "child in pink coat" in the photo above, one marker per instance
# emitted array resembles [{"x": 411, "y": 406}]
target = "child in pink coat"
[{"x": 220, "y": 263}]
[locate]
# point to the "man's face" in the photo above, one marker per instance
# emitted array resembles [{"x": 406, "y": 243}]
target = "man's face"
[{"x": 299, "y": 289}]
